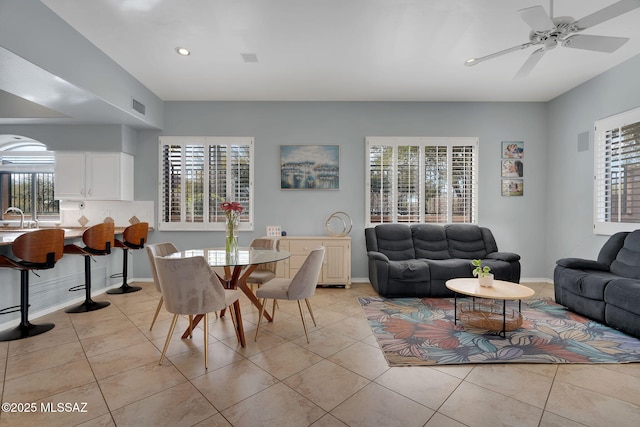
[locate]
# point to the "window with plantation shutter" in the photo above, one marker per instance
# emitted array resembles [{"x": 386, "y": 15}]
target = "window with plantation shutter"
[
  {"x": 617, "y": 173},
  {"x": 415, "y": 180},
  {"x": 197, "y": 174}
]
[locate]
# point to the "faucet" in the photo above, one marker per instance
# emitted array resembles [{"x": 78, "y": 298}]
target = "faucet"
[{"x": 18, "y": 210}]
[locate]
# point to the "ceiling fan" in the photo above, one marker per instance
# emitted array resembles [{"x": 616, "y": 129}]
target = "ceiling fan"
[{"x": 547, "y": 32}]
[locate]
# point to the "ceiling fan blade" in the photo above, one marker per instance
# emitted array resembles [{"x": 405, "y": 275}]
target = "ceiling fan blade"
[
  {"x": 530, "y": 63},
  {"x": 537, "y": 18},
  {"x": 473, "y": 61},
  {"x": 609, "y": 12},
  {"x": 597, "y": 43}
]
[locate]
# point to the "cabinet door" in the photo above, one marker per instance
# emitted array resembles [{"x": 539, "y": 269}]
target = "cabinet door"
[
  {"x": 334, "y": 268},
  {"x": 109, "y": 176},
  {"x": 70, "y": 176},
  {"x": 282, "y": 267}
]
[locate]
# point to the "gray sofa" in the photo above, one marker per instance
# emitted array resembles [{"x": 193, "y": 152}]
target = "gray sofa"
[
  {"x": 606, "y": 290},
  {"x": 416, "y": 260}
]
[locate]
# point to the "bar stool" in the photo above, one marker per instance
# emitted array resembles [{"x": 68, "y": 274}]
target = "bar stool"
[
  {"x": 134, "y": 237},
  {"x": 98, "y": 241},
  {"x": 37, "y": 250}
]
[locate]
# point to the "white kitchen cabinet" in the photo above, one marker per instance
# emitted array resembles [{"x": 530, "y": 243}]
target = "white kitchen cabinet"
[
  {"x": 94, "y": 176},
  {"x": 336, "y": 266}
]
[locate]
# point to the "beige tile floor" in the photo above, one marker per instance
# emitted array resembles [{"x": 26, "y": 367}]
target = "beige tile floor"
[{"x": 108, "y": 360}]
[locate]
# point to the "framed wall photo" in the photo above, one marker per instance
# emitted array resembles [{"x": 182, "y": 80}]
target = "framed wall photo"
[
  {"x": 512, "y": 169},
  {"x": 512, "y": 187},
  {"x": 309, "y": 167},
  {"x": 512, "y": 149}
]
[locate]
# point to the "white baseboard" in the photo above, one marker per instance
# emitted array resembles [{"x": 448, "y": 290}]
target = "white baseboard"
[{"x": 536, "y": 280}]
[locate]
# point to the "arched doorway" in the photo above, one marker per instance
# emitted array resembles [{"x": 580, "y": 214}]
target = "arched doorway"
[{"x": 26, "y": 181}]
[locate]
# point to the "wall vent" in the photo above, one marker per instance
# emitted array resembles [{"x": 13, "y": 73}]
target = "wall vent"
[
  {"x": 249, "y": 57},
  {"x": 138, "y": 106}
]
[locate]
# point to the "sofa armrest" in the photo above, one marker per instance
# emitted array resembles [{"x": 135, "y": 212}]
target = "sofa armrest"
[
  {"x": 582, "y": 264},
  {"x": 377, "y": 256},
  {"x": 503, "y": 256}
]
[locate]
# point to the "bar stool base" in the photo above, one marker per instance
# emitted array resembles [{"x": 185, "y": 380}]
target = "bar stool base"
[
  {"x": 124, "y": 289},
  {"x": 25, "y": 331},
  {"x": 87, "y": 306}
]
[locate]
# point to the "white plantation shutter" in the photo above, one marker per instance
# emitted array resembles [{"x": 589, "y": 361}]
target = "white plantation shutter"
[
  {"x": 380, "y": 184},
  {"x": 197, "y": 174},
  {"x": 416, "y": 180},
  {"x": 408, "y": 184},
  {"x": 436, "y": 189},
  {"x": 617, "y": 173},
  {"x": 464, "y": 184}
]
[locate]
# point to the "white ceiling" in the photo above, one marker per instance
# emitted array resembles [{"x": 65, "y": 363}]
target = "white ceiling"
[{"x": 346, "y": 50}]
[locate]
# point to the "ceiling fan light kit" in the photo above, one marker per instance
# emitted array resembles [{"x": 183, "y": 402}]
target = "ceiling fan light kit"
[{"x": 547, "y": 32}]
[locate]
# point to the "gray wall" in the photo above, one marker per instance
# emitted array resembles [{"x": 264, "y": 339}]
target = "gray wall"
[
  {"x": 552, "y": 220},
  {"x": 515, "y": 221},
  {"x": 569, "y": 224},
  {"x": 78, "y": 137},
  {"x": 33, "y": 35}
]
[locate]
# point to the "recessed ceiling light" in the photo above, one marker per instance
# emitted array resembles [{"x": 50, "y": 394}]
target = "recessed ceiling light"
[{"x": 183, "y": 51}]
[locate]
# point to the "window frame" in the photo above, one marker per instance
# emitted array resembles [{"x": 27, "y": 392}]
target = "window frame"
[
  {"x": 421, "y": 143},
  {"x": 218, "y": 224},
  {"x": 603, "y": 171},
  {"x": 25, "y": 160}
]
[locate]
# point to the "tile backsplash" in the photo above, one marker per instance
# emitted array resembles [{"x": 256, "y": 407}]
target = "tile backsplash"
[{"x": 88, "y": 213}]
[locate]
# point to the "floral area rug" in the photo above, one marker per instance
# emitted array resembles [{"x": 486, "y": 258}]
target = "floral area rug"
[{"x": 421, "y": 332}]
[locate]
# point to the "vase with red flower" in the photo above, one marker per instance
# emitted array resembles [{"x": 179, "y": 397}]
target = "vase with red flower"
[{"x": 232, "y": 212}]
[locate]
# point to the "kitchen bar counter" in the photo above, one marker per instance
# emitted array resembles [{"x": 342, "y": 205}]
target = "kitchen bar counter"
[
  {"x": 8, "y": 235},
  {"x": 50, "y": 288}
]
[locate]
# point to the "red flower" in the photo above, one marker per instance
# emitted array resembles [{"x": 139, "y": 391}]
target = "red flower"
[{"x": 231, "y": 207}]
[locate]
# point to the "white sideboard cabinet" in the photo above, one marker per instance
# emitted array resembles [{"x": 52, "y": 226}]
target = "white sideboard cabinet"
[
  {"x": 336, "y": 267},
  {"x": 93, "y": 176}
]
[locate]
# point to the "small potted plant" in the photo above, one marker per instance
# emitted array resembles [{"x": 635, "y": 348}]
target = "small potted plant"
[{"x": 485, "y": 278}]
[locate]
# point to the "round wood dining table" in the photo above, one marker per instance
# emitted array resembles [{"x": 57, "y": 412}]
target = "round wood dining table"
[{"x": 238, "y": 265}]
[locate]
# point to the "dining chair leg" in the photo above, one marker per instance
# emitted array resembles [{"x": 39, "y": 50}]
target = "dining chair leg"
[
  {"x": 191, "y": 326},
  {"x": 273, "y": 309},
  {"x": 233, "y": 321},
  {"x": 166, "y": 343},
  {"x": 264, "y": 300},
  {"x": 310, "y": 311},
  {"x": 206, "y": 341},
  {"x": 155, "y": 316},
  {"x": 304, "y": 324}
]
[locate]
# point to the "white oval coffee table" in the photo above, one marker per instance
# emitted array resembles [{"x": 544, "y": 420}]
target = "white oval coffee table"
[{"x": 501, "y": 290}]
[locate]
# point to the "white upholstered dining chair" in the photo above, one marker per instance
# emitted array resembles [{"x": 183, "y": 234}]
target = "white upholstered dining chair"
[
  {"x": 263, "y": 272},
  {"x": 154, "y": 250},
  {"x": 190, "y": 287},
  {"x": 301, "y": 287}
]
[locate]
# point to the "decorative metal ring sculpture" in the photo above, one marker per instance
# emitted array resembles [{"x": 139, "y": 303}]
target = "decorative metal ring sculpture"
[{"x": 344, "y": 222}]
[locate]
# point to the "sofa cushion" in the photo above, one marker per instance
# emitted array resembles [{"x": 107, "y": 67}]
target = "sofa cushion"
[
  {"x": 409, "y": 270},
  {"x": 465, "y": 241},
  {"x": 395, "y": 241},
  {"x": 500, "y": 269},
  {"x": 611, "y": 248},
  {"x": 430, "y": 241},
  {"x": 627, "y": 262},
  {"x": 625, "y": 294},
  {"x": 586, "y": 283},
  {"x": 445, "y": 269}
]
